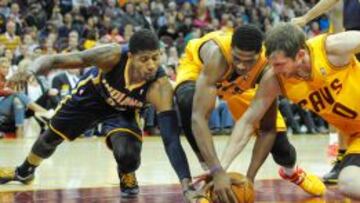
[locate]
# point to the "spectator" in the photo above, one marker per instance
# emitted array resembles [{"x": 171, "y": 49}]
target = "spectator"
[
  {"x": 13, "y": 104},
  {"x": 9, "y": 38},
  {"x": 131, "y": 16},
  {"x": 221, "y": 121}
]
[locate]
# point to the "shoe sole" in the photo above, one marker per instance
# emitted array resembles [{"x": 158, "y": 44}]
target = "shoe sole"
[
  {"x": 4, "y": 181},
  {"x": 129, "y": 196}
]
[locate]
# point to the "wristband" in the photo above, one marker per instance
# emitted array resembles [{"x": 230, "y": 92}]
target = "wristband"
[{"x": 215, "y": 169}]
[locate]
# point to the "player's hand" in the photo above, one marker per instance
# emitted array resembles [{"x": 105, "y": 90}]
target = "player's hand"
[
  {"x": 206, "y": 177},
  {"x": 300, "y": 21},
  {"x": 222, "y": 188}
]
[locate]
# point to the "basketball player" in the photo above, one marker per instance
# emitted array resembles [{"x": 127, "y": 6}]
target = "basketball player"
[
  {"x": 350, "y": 17},
  {"x": 229, "y": 65},
  {"x": 321, "y": 75},
  {"x": 125, "y": 78}
]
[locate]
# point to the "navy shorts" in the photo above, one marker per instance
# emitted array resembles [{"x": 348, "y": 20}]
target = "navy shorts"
[{"x": 85, "y": 108}]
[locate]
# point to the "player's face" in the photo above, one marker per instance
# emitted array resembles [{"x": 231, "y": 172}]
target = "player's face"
[
  {"x": 283, "y": 65},
  {"x": 146, "y": 63},
  {"x": 243, "y": 61}
]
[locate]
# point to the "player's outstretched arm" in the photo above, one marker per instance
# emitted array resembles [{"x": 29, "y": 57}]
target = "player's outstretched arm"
[
  {"x": 264, "y": 141},
  {"x": 320, "y": 8},
  {"x": 266, "y": 94},
  {"x": 341, "y": 47},
  {"x": 104, "y": 57},
  {"x": 161, "y": 96},
  {"x": 203, "y": 104}
]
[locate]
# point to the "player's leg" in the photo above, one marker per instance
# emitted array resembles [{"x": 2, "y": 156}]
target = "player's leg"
[
  {"x": 73, "y": 117},
  {"x": 349, "y": 177},
  {"x": 126, "y": 150},
  {"x": 332, "y": 176},
  {"x": 123, "y": 137},
  {"x": 43, "y": 148},
  {"x": 284, "y": 154},
  {"x": 184, "y": 97}
]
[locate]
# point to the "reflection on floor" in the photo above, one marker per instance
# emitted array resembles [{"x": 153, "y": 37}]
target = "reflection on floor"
[
  {"x": 266, "y": 191},
  {"x": 85, "y": 171}
]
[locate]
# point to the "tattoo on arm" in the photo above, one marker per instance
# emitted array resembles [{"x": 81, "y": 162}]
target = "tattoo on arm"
[{"x": 104, "y": 57}]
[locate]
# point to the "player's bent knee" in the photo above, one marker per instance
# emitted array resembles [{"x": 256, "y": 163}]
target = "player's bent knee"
[
  {"x": 349, "y": 181},
  {"x": 126, "y": 149},
  {"x": 46, "y": 144}
]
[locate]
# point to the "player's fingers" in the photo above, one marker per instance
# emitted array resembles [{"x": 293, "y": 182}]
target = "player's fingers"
[
  {"x": 207, "y": 186},
  {"x": 223, "y": 197},
  {"x": 200, "y": 178},
  {"x": 231, "y": 196},
  {"x": 238, "y": 182}
]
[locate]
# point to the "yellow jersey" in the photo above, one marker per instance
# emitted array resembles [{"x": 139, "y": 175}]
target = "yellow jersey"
[
  {"x": 332, "y": 92},
  {"x": 190, "y": 65},
  {"x": 239, "y": 92}
]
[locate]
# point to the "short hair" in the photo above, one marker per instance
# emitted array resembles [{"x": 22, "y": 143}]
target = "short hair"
[
  {"x": 143, "y": 40},
  {"x": 247, "y": 38},
  {"x": 285, "y": 37}
]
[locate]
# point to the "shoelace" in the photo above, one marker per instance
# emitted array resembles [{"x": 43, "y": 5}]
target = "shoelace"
[{"x": 129, "y": 179}]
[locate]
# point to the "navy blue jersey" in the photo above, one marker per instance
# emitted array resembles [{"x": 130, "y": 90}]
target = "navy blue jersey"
[{"x": 112, "y": 85}]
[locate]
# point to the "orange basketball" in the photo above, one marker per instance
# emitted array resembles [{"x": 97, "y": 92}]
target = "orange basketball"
[{"x": 244, "y": 193}]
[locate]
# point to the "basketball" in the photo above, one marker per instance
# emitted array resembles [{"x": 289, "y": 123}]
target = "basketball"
[{"x": 244, "y": 193}]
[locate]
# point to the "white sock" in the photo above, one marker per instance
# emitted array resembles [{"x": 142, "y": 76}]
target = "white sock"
[{"x": 289, "y": 171}]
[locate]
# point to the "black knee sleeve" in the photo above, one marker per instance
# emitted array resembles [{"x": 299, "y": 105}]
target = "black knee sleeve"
[
  {"x": 46, "y": 144},
  {"x": 126, "y": 149},
  {"x": 283, "y": 151},
  {"x": 184, "y": 98}
]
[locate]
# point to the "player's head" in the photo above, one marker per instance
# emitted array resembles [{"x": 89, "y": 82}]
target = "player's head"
[
  {"x": 144, "y": 51},
  {"x": 285, "y": 48},
  {"x": 246, "y": 44},
  {"x": 4, "y": 66}
]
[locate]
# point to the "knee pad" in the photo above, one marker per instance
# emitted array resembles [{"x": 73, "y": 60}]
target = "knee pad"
[
  {"x": 46, "y": 144},
  {"x": 126, "y": 149},
  {"x": 283, "y": 151}
]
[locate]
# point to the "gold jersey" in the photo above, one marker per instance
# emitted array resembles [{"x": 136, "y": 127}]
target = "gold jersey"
[
  {"x": 190, "y": 65},
  {"x": 332, "y": 91},
  {"x": 239, "y": 92}
]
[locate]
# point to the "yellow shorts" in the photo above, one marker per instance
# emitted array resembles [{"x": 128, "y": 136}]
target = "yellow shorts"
[
  {"x": 238, "y": 104},
  {"x": 353, "y": 145}
]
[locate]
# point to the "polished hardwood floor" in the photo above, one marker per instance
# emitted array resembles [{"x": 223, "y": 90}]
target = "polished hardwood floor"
[{"x": 84, "y": 171}]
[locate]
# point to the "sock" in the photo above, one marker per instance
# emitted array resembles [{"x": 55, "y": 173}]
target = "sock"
[
  {"x": 29, "y": 165},
  {"x": 289, "y": 171},
  {"x": 26, "y": 169}
]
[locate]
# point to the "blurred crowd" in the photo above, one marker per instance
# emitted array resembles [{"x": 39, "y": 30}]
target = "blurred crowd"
[{"x": 29, "y": 29}]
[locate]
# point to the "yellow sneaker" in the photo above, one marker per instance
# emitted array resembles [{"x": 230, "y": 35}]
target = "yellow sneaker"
[
  {"x": 128, "y": 185},
  {"x": 308, "y": 182},
  {"x": 8, "y": 174}
]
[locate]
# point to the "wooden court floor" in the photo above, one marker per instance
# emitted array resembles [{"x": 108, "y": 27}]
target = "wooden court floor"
[{"x": 84, "y": 171}]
